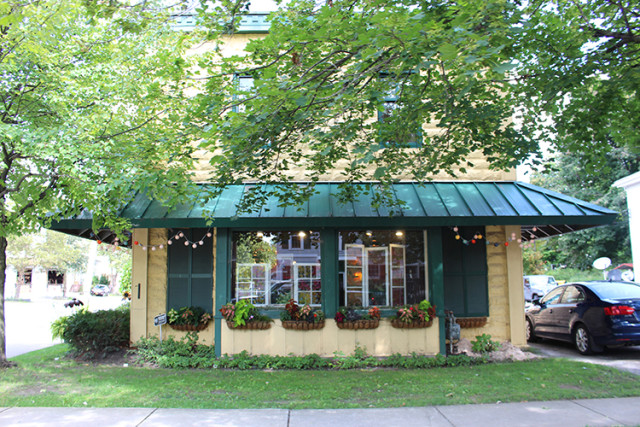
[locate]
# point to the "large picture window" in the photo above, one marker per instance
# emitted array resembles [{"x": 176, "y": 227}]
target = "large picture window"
[
  {"x": 381, "y": 267},
  {"x": 269, "y": 268}
]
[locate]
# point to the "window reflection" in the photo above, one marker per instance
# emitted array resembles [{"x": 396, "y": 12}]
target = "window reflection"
[
  {"x": 269, "y": 268},
  {"x": 382, "y": 267}
]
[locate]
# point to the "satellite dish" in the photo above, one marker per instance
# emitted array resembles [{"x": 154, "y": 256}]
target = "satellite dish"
[{"x": 601, "y": 263}]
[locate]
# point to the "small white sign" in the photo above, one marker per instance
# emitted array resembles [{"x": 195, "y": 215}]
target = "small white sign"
[{"x": 160, "y": 319}]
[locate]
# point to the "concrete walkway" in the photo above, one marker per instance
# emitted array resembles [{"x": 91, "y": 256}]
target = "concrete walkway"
[{"x": 565, "y": 413}]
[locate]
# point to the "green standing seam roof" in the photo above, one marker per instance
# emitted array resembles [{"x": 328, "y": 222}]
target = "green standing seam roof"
[{"x": 539, "y": 212}]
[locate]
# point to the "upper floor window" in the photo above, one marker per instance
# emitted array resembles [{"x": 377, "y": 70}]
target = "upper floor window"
[
  {"x": 395, "y": 132},
  {"x": 243, "y": 87}
]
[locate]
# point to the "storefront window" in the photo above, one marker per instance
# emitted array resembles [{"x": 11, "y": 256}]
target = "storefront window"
[
  {"x": 269, "y": 268},
  {"x": 381, "y": 267}
]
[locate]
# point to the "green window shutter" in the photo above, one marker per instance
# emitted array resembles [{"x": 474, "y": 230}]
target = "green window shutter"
[
  {"x": 465, "y": 273},
  {"x": 190, "y": 271}
]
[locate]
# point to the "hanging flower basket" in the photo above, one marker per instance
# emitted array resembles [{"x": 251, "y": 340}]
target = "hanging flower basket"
[
  {"x": 471, "y": 322},
  {"x": 396, "y": 323},
  {"x": 249, "y": 325},
  {"x": 302, "y": 325},
  {"x": 359, "y": 324},
  {"x": 199, "y": 327}
]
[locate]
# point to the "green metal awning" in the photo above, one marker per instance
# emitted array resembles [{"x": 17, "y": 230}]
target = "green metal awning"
[{"x": 540, "y": 212}]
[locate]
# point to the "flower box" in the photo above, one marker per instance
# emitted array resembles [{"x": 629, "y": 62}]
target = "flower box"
[
  {"x": 471, "y": 322},
  {"x": 199, "y": 327},
  {"x": 359, "y": 324},
  {"x": 302, "y": 325},
  {"x": 249, "y": 325},
  {"x": 396, "y": 323}
]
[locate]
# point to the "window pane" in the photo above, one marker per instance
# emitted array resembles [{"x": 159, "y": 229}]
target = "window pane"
[
  {"x": 269, "y": 268},
  {"x": 381, "y": 267}
]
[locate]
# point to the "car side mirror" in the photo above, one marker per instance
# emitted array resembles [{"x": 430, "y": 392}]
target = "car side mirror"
[{"x": 536, "y": 301}]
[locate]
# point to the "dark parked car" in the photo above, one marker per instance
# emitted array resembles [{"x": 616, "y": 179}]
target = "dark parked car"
[{"x": 592, "y": 315}]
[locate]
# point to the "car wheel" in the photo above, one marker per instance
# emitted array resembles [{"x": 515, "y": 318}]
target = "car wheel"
[
  {"x": 583, "y": 341},
  {"x": 528, "y": 330}
]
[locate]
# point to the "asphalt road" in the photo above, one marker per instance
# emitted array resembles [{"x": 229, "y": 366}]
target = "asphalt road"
[
  {"x": 624, "y": 358},
  {"x": 28, "y": 323}
]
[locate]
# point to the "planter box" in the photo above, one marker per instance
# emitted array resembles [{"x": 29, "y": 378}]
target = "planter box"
[
  {"x": 403, "y": 325},
  {"x": 302, "y": 325},
  {"x": 249, "y": 325},
  {"x": 359, "y": 324},
  {"x": 471, "y": 322},
  {"x": 200, "y": 327}
]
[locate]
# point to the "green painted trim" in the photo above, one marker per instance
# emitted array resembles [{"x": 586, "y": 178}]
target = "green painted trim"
[
  {"x": 436, "y": 279},
  {"x": 329, "y": 271},
  {"x": 348, "y": 222},
  {"x": 223, "y": 255}
]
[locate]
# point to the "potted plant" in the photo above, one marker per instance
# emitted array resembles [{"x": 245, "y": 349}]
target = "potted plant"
[
  {"x": 414, "y": 316},
  {"x": 244, "y": 315},
  {"x": 301, "y": 318},
  {"x": 350, "y": 318},
  {"x": 188, "y": 318}
]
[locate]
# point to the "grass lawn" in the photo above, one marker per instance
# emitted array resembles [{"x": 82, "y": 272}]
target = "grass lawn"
[{"x": 41, "y": 380}]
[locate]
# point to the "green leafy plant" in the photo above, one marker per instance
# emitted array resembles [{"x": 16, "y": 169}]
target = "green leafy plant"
[
  {"x": 243, "y": 312},
  {"x": 484, "y": 344},
  {"x": 188, "y": 316},
  {"x": 423, "y": 311},
  {"x": 93, "y": 333}
]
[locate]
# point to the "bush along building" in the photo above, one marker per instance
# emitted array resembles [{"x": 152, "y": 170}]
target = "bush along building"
[{"x": 454, "y": 243}]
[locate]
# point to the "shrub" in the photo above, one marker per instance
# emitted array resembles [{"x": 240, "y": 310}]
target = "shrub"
[
  {"x": 94, "y": 333},
  {"x": 483, "y": 344},
  {"x": 172, "y": 353}
]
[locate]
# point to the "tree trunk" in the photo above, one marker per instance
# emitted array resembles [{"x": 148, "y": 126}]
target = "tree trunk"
[{"x": 3, "y": 269}]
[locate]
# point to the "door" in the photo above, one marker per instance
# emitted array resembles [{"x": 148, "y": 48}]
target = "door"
[
  {"x": 545, "y": 318},
  {"x": 377, "y": 276},
  {"x": 565, "y": 311}
]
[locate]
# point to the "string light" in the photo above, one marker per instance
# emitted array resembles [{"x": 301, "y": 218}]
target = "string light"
[{"x": 514, "y": 238}]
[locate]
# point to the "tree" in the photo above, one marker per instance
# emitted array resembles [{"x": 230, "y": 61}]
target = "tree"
[
  {"x": 347, "y": 85},
  {"x": 566, "y": 173},
  {"x": 91, "y": 98},
  {"x": 579, "y": 65},
  {"x": 49, "y": 250}
]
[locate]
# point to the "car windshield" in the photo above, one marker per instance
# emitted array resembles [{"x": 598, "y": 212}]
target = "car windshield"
[
  {"x": 539, "y": 280},
  {"x": 613, "y": 290}
]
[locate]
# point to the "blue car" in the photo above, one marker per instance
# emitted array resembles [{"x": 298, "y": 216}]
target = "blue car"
[{"x": 592, "y": 315}]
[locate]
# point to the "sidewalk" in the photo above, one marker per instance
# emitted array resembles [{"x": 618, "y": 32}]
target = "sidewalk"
[{"x": 565, "y": 413}]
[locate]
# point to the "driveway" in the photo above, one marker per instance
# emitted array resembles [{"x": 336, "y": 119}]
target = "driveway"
[{"x": 624, "y": 358}]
